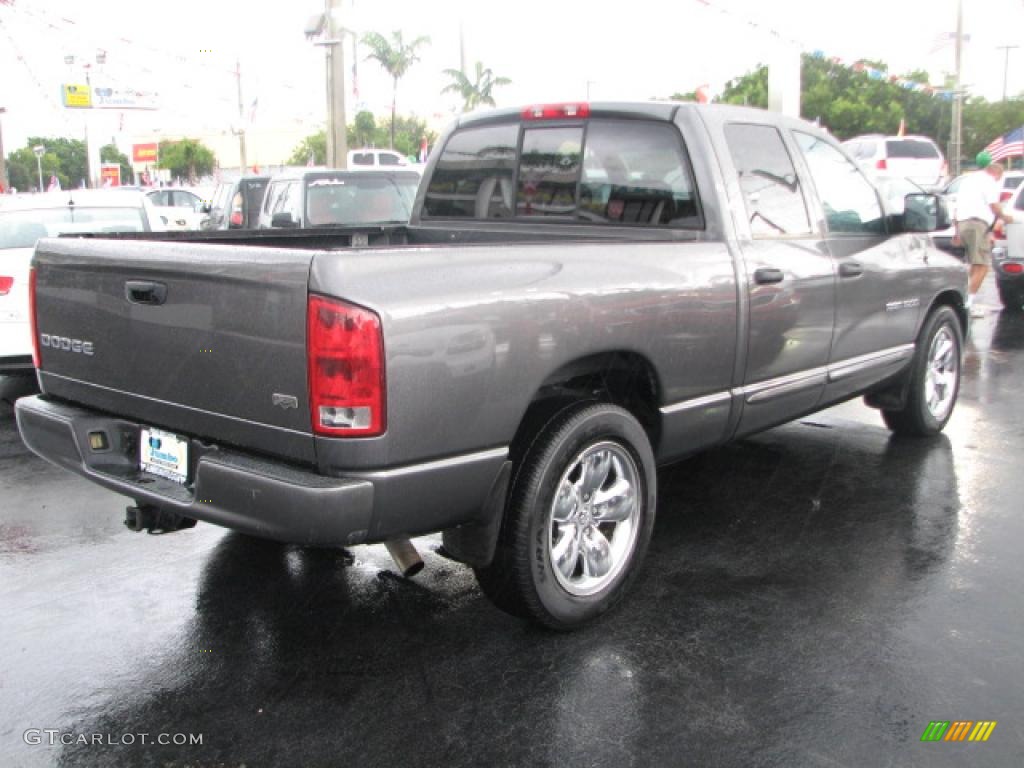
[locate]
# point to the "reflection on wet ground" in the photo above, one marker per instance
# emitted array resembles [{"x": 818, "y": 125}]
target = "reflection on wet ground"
[{"x": 813, "y": 596}]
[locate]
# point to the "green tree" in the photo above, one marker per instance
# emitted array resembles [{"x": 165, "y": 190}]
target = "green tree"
[
  {"x": 314, "y": 145},
  {"x": 109, "y": 153},
  {"x": 188, "y": 159},
  {"x": 395, "y": 57},
  {"x": 409, "y": 133},
  {"x": 476, "y": 92},
  {"x": 64, "y": 158},
  {"x": 363, "y": 132},
  {"x": 851, "y": 102}
]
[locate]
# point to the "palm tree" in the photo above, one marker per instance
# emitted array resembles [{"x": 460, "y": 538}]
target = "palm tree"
[
  {"x": 476, "y": 93},
  {"x": 395, "y": 58}
]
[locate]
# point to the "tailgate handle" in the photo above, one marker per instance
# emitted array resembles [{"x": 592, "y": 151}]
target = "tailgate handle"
[{"x": 145, "y": 292}]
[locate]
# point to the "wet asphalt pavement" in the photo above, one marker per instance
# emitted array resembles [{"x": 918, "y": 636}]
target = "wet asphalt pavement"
[{"x": 814, "y": 596}]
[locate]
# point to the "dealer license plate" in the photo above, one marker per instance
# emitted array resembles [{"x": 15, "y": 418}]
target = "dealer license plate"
[{"x": 164, "y": 454}]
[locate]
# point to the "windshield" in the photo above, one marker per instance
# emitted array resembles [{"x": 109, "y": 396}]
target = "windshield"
[
  {"x": 21, "y": 229},
  {"x": 334, "y": 202}
]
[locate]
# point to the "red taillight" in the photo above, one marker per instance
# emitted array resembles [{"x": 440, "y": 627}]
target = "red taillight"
[
  {"x": 1005, "y": 195},
  {"x": 235, "y": 219},
  {"x": 556, "y": 111},
  {"x": 1013, "y": 268},
  {"x": 881, "y": 165},
  {"x": 346, "y": 369},
  {"x": 32, "y": 316},
  {"x": 5, "y": 285}
]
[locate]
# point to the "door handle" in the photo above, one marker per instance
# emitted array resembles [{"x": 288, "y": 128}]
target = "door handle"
[
  {"x": 851, "y": 269},
  {"x": 768, "y": 275},
  {"x": 145, "y": 292}
]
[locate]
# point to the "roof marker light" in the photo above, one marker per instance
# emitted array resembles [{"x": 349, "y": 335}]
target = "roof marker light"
[{"x": 566, "y": 111}]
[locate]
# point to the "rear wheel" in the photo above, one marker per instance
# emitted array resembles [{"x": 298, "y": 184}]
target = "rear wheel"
[
  {"x": 1012, "y": 296},
  {"x": 579, "y": 517},
  {"x": 934, "y": 378}
]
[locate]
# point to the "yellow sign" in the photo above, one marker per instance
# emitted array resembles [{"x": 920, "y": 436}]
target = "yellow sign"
[{"x": 76, "y": 96}]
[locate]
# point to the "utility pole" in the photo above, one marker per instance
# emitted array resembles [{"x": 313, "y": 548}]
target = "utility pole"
[
  {"x": 241, "y": 120},
  {"x": 956, "y": 127},
  {"x": 3, "y": 163},
  {"x": 1006, "y": 63},
  {"x": 337, "y": 142}
]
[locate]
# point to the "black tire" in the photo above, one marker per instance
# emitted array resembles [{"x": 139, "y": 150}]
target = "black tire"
[
  {"x": 521, "y": 579},
  {"x": 1011, "y": 296},
  {"x": 917, "y": 418}
]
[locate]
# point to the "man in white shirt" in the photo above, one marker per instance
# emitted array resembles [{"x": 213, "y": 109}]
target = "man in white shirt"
[{"x": 977, "y": 211}]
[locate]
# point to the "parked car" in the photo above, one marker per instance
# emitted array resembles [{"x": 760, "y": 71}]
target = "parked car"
[
  {"x": 179, "y": 209},
  {"x": 26, "y": 218},
  {"x": 584, "y": 292},
  {"x": 370, "y": 159},
  {"x": 307, "y": 199},
  {"x": 1008, "y": 255},
  {"x": 236, "y": 204},
  {"x": 917, "y": 158}
]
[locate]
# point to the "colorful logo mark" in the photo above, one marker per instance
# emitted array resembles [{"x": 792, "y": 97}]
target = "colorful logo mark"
[{"x": 958, "y": 730}]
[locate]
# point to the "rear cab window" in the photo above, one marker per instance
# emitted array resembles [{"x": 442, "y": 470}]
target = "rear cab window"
[{"x": 605, "y": 171}]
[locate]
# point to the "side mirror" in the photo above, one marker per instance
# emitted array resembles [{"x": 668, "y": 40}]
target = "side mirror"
[
  {"x": 923, "y": 212},
  {"x": 205, "y": 207},
  {"x": 282, "y": 219}
]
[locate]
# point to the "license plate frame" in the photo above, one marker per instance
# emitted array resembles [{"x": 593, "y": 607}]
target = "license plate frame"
[{"x": 164, "y": 454}]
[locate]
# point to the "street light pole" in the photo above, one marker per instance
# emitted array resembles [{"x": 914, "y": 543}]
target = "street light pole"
[
  {"x": 39, "y": 150},
  {"x": 336, "y": 53},
  {"x": 956, "y": 129},
  {"x": 241, "y": 120},
  {"x": 3, "y": 163},
  {"x": 1006, "y": 63}
]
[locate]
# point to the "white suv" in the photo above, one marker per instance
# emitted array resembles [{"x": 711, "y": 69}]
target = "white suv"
[{"x": 916, "y": 158}]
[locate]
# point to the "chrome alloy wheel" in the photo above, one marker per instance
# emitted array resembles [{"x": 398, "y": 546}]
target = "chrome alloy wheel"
[
  {"x": 940, "y": 379},
  {"x": 594, "y": 518}
]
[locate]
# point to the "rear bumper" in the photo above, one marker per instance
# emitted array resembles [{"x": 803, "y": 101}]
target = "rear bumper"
[
  {"x": 260, "y": 496},
  {"x": 16, "y": 364}
]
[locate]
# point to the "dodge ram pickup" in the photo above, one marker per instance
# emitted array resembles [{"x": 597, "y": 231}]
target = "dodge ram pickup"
[{"x": 584, "y": 292}]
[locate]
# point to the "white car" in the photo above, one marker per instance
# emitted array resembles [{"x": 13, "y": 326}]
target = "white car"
[
  {"x": 26, "y": 218},
  {"x": 916, "y": 158},
  {"x": 1008, "y": 255},
  {"x": 179, "y": 209}
]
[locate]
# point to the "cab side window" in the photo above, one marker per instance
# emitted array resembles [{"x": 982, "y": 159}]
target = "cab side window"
[
  {"x": 851, "y": 204},
  {"x": 771, "y": 189}
]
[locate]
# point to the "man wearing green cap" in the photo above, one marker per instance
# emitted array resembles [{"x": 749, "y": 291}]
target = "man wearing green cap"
[
  {"x": 977, "y": 210},
  {"x": 983, "y": 159}
]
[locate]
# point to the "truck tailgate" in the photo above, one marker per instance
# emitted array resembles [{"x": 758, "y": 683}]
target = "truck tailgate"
[{"x": 199, "y": 339}]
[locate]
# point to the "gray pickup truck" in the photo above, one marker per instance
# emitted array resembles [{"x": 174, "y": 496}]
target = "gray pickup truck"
[{"x": 584, "y": 292}]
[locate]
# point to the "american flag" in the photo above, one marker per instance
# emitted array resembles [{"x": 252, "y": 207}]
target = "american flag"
[{"x": 1007, "y": 145}]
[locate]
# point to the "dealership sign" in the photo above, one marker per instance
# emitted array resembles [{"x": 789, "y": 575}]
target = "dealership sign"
[
  {"x": 104, "y": 97},
  {"x": 144, "y": 153},
  {"x": 110, "y": 174},
  {"x": 75, "y": 95}
]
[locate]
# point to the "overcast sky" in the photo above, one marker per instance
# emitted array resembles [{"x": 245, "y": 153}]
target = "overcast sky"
[{"x": 186, "y": 50}]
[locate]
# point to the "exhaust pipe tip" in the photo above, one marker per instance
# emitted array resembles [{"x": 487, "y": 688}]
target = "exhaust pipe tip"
[{"x": 405, "y": 556}]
